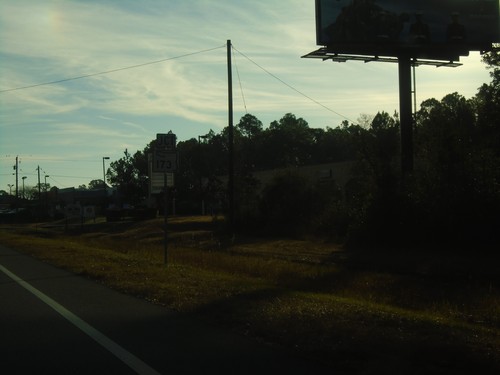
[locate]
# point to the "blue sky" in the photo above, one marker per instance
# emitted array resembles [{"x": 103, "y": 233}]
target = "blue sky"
[{"x": 67, "y": 128}]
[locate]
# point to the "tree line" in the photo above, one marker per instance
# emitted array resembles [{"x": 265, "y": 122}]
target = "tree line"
[{"x": 452, "y": 196}]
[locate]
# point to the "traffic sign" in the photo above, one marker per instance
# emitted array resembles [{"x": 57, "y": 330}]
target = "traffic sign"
[
  {"x": 157, "y": 182},
  {"x": 166, "y": 140},
  {"x": 164, "y": 160}
]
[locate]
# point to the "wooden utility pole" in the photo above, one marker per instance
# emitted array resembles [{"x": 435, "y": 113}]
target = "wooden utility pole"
[
  {"x": 231, "y": 139},
  {"x": 39, "y": 187},
  {"x": 17, "y": 181}
]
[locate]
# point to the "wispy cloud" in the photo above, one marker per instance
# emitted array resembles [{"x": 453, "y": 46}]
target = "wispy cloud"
[{"x": 44, "y": 41}]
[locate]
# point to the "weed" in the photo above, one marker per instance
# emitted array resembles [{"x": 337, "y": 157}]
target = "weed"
[{"x": 358, "y": 315}]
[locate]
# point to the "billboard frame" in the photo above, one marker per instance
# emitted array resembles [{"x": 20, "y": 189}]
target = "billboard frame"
[
  {"x": 408, "y": 55},
  {"x": 325, "y": 54},
  {"x": 387, "y": 28}
]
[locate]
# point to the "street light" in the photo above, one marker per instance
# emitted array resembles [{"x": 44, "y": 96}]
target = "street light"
[
  {"x": 24, "y": 178},
  {"x": 46, "y": 181},
  {"x": 104, "y": 170},
  {"x": 10, "y": 188}
]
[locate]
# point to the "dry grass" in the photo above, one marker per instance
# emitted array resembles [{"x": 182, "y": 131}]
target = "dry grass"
[{"x": 423, "y": 315}]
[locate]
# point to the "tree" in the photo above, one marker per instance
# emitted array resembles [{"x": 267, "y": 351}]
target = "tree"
[
  {"x": 289, "y": 141},
  {"x": 31, "y": 192},
  {"x": 365, "y": 120},
  {"x": 492, "y": 60},
  {"x": 445, "y": 134},
  {"x": 378, "y": 148},
  {"x": 248, "y": 145},
  {"x": 96, "y": 184},
  {"x": 455, "y": 165},
  {"x": 129, "y": 175},
  {"x": 288, "y": 204},
  {"x": 249, "y": 126}
]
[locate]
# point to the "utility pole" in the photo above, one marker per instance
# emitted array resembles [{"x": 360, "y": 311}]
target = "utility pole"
[
  {"x": 24, "y": 178},
  {"x": 231, "y": 136},
  {"x": 39, "y": 187},
  {"x": 17, "y": 183}
]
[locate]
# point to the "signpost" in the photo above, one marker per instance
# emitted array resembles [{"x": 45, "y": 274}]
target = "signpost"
[
  {"x": 165, "y": 161},
  {"x": 156, "y": 182}
]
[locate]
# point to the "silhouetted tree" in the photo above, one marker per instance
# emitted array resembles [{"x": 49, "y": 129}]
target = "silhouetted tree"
[
  {"x": 288, "y": 204},
  {"x": 129, "y": 176},
  {"x": 288, "y": 140},
  {"x": 96, "y": 184},
  {"x": 249, "y": 126}
]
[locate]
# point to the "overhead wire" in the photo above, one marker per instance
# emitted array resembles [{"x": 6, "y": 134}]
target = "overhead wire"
[
  {"x": 291, "y": 87},
  {"x": 109, "y": 71},
  {"x": 239, "y": 80},
  {"x": 178, "y": 57}
]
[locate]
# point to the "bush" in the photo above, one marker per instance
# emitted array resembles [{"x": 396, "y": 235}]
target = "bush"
[{"x": 288, "y": 205}]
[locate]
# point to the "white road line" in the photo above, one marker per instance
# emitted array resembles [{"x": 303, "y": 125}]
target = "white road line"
[{"x": 125, "y": 356}]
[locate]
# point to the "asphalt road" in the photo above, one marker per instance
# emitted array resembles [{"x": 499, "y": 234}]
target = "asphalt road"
[{"x": 52, "y": 321}]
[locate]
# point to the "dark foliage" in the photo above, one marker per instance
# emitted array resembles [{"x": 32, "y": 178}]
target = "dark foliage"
[{"x": 452, "y": 198}]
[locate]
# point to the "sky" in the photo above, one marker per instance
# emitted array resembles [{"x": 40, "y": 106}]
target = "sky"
[{"x": 155, "y": 66}]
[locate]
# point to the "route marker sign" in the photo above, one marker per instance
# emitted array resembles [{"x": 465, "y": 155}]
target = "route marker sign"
[
  {"x": 164, "y": 153},
  {"x": 164, "y": 160},
  {"x": 166, "y": 141}
]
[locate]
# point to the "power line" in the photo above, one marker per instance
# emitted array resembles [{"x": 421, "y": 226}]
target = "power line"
[
  {"x": 82, "y": 177},
  {"x": 291, "y": 87},
  {"x": 109, "y": 71},
  {"x": 178, "y": 57},
  {"x": 239, "y": 81}
]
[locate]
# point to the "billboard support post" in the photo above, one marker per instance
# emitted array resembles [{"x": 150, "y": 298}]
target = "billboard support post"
[
  {"x": 405, "y": 114},
  {"x": 411, "y": 33}
]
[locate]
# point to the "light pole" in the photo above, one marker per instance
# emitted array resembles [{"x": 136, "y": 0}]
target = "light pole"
[
  {"x": 104, "y": 170},
  {"x": 45, "y": 187},
  {"x": 10, "y": 188},
  {"x": 24, "y": 178}
]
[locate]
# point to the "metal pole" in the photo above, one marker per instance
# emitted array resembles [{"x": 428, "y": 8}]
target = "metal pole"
[
  {"x": 165, "y": 212},
  {"x": 39, "y": 187},
  {"x": 405, "y": 109},
  {"x": 231, "y": 140},
  {"x": 414, "y": 91},
  {"x": 103, "y": 172},
  {"x": 17, "y": 174}
]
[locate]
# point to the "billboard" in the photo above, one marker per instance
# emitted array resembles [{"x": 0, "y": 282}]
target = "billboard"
[{"x": 421, "y": 28}]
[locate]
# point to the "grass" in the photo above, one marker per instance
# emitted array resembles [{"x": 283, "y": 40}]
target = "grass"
[{"x": 394, "y": 314}]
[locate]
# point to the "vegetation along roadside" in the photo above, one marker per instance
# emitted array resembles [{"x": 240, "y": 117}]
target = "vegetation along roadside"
[{"x": 356, "y": 312}]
